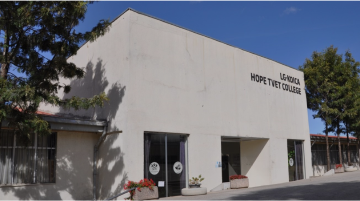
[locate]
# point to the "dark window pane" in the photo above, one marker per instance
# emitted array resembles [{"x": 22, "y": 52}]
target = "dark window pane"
[
  {"x": 24, "y": 162},
  {"x": 6, "y": 151}
]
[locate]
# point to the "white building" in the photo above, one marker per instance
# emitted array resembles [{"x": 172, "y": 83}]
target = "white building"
[{"x": 175, "y": 96}]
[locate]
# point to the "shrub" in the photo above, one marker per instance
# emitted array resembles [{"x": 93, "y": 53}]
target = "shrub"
[{"x": 238, "y": 177}]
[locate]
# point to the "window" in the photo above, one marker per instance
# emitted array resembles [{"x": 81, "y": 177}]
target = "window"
[{"x": 20, "y": 164}]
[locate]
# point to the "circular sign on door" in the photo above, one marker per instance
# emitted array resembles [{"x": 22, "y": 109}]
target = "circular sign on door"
[
  {"x": 154, "y": 168},
  {"x": 291, "y": 162},
  {"x": 178, "y": 167}
]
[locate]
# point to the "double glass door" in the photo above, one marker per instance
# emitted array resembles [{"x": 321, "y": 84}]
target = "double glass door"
[{"x": 164, "y": 162}]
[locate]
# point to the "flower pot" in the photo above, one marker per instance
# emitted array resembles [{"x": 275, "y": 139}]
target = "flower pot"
[
  {"x": 194, "y": 185},
  {"x": 339, "y": 170},
  {"x": 239, "y": 183},
  {"x": 146, "y": 194},
  {"x": 350, "y": 168}
]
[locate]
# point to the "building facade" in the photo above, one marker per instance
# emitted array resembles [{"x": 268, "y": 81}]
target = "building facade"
[{"x": 186, "y": 105}]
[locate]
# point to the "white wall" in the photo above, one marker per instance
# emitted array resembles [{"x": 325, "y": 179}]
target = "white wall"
[
  {"x": 187, "y": 83},
  {"x": 173, "y": 80},
  {"x": 107, "y": 70},
  {"x": 74, "y": 159},
  {"x": 255, "y": 162}
]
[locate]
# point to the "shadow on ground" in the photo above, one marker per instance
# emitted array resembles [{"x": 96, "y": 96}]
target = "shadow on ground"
[{"x": 324, "y": 191}]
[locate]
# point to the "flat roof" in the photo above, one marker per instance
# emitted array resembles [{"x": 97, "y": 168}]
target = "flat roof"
[{"x": 60, "y": 123}]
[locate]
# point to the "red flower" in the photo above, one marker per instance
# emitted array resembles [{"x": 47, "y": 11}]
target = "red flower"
[
  {"x": 238, "y": 177},
  {"x": 138, "y": 185}
]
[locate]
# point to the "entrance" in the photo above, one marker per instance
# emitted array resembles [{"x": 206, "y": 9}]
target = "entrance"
[
  {"x": 295, "y": 160},
  {"x": 165, "y": 162},
  {"x": 230, "y": 158}
]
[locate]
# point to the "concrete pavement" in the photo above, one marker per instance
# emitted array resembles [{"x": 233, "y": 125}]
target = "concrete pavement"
[{"x": 343, "y": 186}]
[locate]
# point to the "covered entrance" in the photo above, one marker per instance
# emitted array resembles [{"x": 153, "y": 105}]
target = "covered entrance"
[
  {"x": 230, "y": 157},
  {"x": 295, "y": 160},
  {"x": 234, "y": 150},
  {"x": 165, "y": 161}
]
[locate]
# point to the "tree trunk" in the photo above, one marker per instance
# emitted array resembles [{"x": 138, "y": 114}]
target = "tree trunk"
[
  {"x": 359, "y": 151},
  {"x": 5, "y": 65},
  {"x": 4, "y": 68},
  {"x": 339, "y": 143},
  {"x": 327, "y": 148},
  {"x": 340, "y": 154},
  {"x": 358, "y": 148},
  {"x": 348, "y": 147}
]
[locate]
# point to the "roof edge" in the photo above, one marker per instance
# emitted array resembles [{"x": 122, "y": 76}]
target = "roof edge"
[
  {"x": 332, "y": 136},
  {"x": 75, "y": 121},
  {"x": 156, "y": 18}
]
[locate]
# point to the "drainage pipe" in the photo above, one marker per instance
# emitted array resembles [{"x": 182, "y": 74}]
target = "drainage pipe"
[{"x": 96, "y": 150}]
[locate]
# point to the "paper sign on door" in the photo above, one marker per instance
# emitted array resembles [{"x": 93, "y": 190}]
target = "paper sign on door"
[{"x": 161, "y": 184}]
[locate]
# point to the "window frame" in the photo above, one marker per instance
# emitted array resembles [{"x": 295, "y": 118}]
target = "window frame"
[{"x": 35, "y": 170}]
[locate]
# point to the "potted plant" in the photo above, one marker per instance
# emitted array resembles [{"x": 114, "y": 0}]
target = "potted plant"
[
  {"x": 339, "y": 168},
  {"x": 195, "y": 182},
  {"x": 239, "y": 181},
  {"x": 349, "y": 167},
  {"x": 145, "y": 190}
]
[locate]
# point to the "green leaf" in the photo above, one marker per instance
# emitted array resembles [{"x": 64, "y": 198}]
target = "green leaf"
[{"x": 34, "y": 28}]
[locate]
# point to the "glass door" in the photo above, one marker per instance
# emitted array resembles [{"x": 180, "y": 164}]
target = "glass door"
[
  {"x": 176, "y": 164},
  {"x": 164, "y": 162},
  {"x": 155, "y": 166},
  {"x": 295, "y": 160}
]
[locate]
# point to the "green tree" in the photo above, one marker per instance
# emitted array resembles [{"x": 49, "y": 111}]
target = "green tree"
[
  {"x": 29, "y": 29},
  {"x": 321, "y": 87},
  {"x": 347, "y": 89},
  {"x": 355, "y": 128},
  {"x": 351, "y": 98}
]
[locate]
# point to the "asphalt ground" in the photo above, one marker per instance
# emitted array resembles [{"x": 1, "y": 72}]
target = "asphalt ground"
[{"x": 342, "y": 186}]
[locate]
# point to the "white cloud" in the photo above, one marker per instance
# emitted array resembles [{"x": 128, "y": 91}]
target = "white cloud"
[
  {"x": 291, "y": 10},
  {"x": 196, "y": 1}
]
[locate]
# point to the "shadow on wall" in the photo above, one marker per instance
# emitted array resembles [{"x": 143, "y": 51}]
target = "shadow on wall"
[
  {"x": 52, "y": 191},
  {"x": 73, "y": 172},
  {"x": 111, "y": 165},
  {"x": 250, "y": 151},
  {"x": 94, "y": 83},
  {"x": 74, "y": 169}
]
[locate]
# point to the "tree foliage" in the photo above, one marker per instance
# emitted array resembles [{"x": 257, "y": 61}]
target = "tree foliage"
[
  {"x": 321, "y": 88},
  {"x": 332, "y": 90},
  {"x": 29, "y": 29}
]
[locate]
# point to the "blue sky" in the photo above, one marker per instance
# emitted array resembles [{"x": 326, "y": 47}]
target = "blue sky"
[{"x": 287, "y": 32}]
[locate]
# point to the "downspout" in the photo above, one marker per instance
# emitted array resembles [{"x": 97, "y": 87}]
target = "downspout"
[{"x": 96, "y": 148}]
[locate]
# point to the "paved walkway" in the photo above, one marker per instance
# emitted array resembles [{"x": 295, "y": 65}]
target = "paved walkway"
[{"x": 344, "y": 186}]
